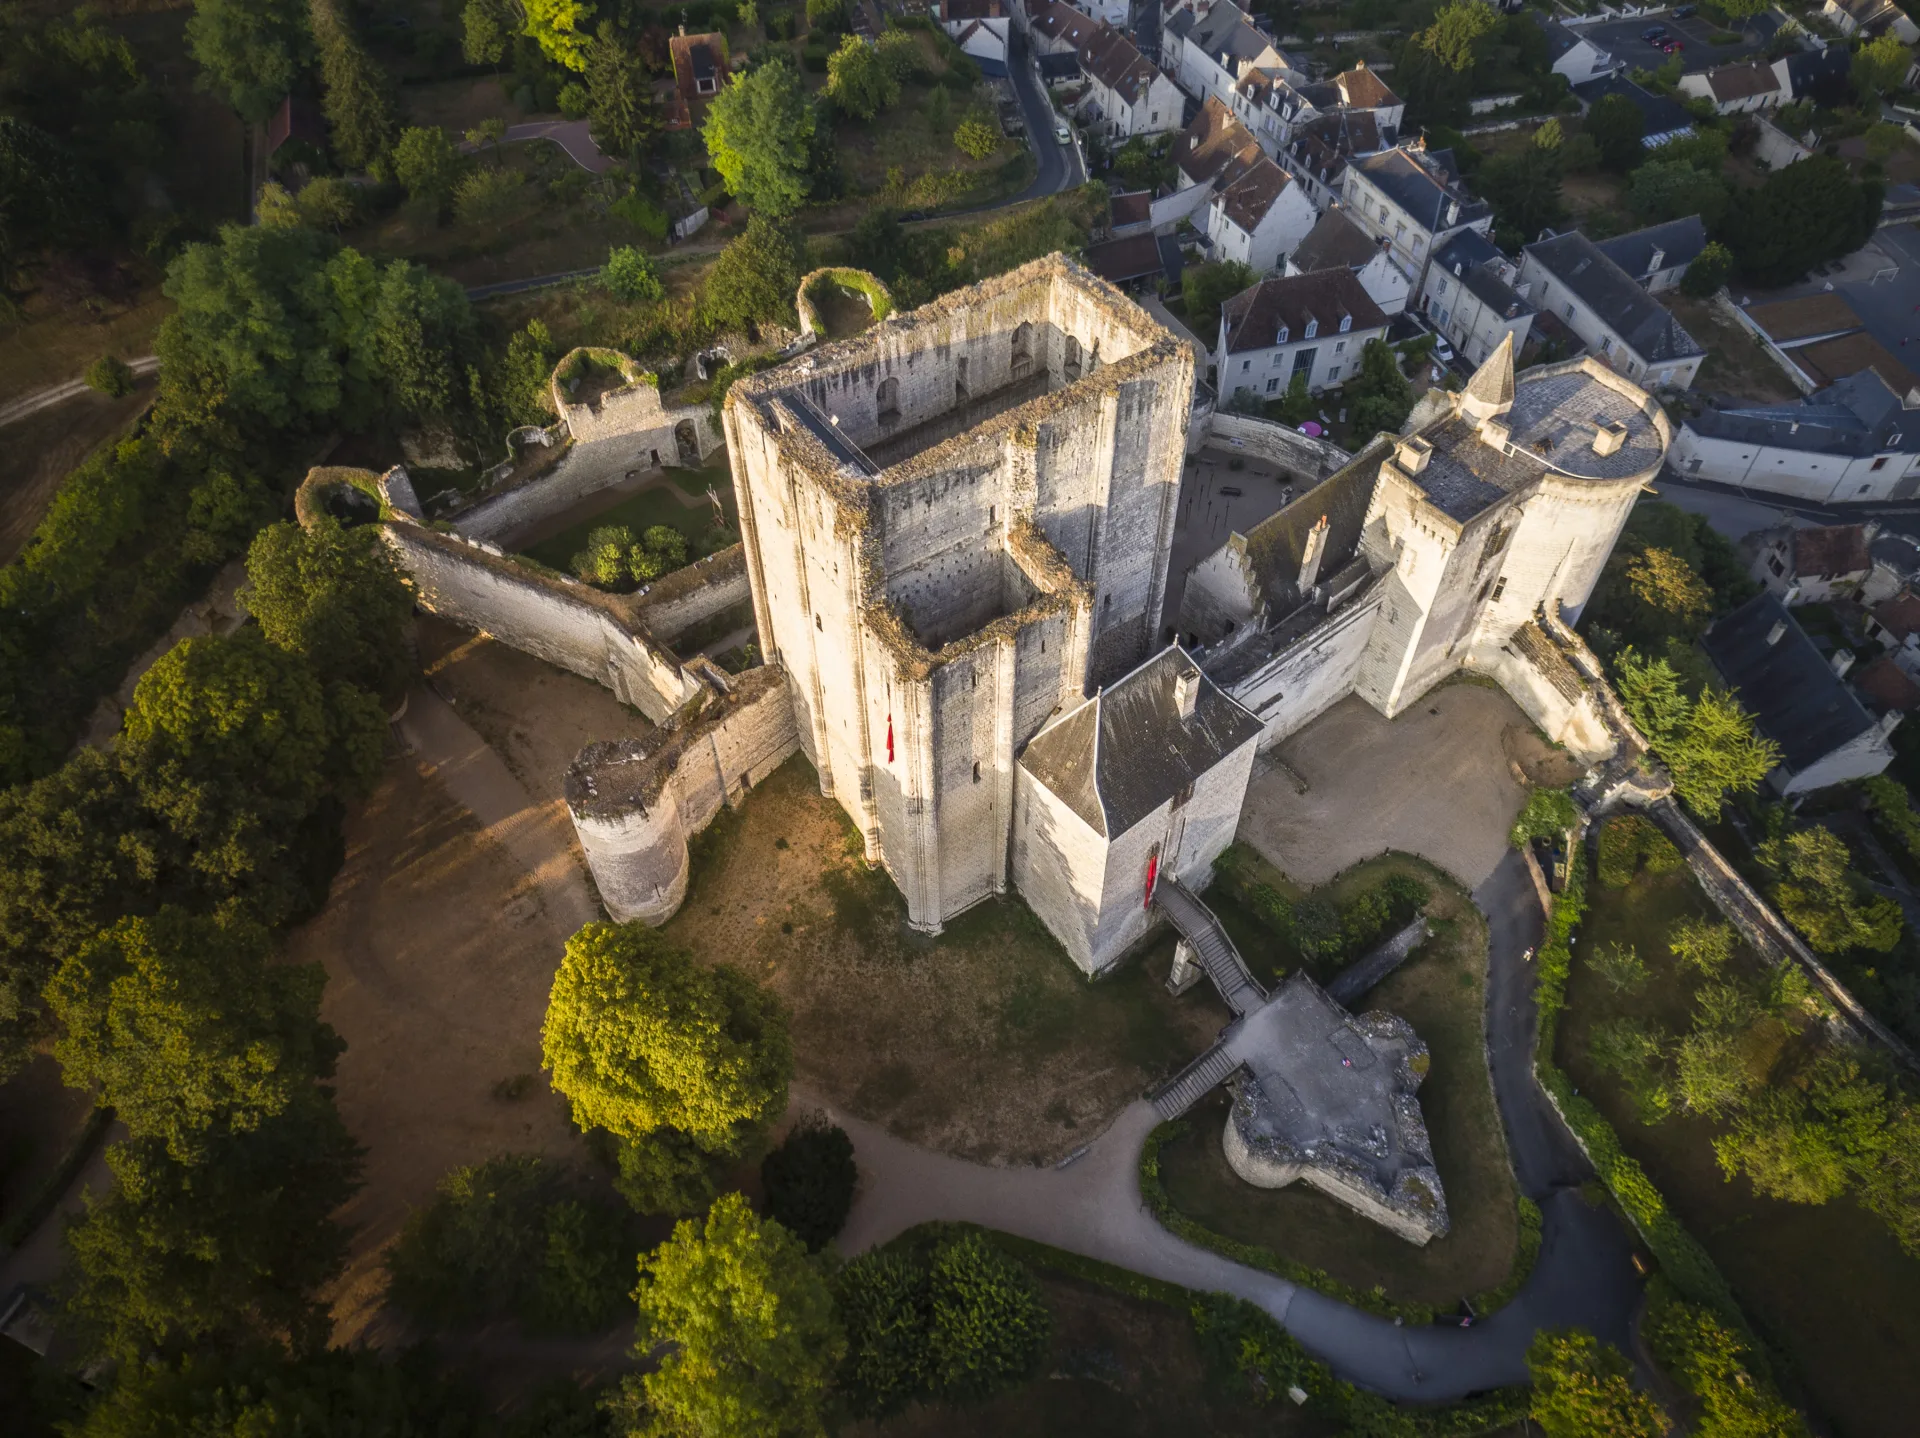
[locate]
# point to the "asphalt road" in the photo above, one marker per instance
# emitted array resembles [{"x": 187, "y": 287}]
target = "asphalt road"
[{"x": 1061, "y": 167}]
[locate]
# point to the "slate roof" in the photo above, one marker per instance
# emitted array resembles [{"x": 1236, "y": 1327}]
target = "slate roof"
[
  {"x": 1820, "y": 73},
  {"x": 1640, "y": 321},
  {"x": 1659, "y": 114},
  {"x": 1335, "y": 242},
  {"x": 1254, "y": 316},
  {"x": 1121, "y": 755},
  {"x": 1062, "y": 65},
  {"x": 1858, "y": 416},
  {"x": 1277, "y": 544},
  {"x": 1131, "y": 258},
  {"x": 1325, "y": 145},
  {"x": 1478, "y": 264},
  {"x": 1789, "y": 687},
  {"x": 1224, "y": 32},
  {"x": 1679, "y": 242},
  {"x": 1216, "y": 148},
  {"x": 971, "y": 9},
  {"x": 1419, "y": 189}
]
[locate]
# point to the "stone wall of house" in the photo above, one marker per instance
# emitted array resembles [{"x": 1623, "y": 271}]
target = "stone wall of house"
[{"x": 636, "y": 802}]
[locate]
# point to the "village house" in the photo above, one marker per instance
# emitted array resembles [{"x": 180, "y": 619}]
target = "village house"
[
  {"x": 1736, "y": 89},
  {"x": 980, "y": 28},
  {"x": 1336, "y": 242},
  {"x": 1313, "y": 325},
  {"x": 1813, "y": 565},
  {"x": 1469, "y": 295},
  {"x": 1126, "y": 95},
  {"x": 1249, "y": 208},
  {"x": 1657, "y": 257},
  {"x": 1322, "y": 148},
  {"x": 1573, "y": 55},
  {"x": 1413, "y": 199},
  {"x": 1662, "y": 118},
  {"x": 1871, "y": 17},
  {"x": 1209, "y": 45},
  {"x": 1571, "y": 277},
  {"x": 699, "y": 70},
  {"x": 1852, "y": 442}
]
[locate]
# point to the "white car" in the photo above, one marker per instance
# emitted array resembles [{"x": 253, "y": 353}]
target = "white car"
[
  {"x": 1062, "y": 133},
  {"x": 1442, "y": 351}
]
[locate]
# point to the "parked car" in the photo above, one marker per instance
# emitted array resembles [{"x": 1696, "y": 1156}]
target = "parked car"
[
  {"x": 1654, "y": 34},
  {"x": 1062, "y": 133},
  {"x": 1686, "y": 12},
  {"x": 1672, "y": 47}
]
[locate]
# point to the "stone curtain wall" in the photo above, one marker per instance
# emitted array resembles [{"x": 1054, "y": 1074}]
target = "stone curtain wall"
[
  {"x": 1309, "y": 677},
  {"x": 636, "y": 803},
  {"x": 1276, "y": 443},
  {"x": 592, "y": 634}
]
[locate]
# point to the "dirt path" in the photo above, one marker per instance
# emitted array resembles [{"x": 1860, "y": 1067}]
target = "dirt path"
[
  {"x": 47, "y": 398},
  {"x": 43, "y": 448}
]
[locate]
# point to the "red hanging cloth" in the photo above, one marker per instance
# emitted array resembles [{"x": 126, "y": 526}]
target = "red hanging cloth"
[
  {"x": 1153, "y": 872},
  {"x": 889, "y": 738}
]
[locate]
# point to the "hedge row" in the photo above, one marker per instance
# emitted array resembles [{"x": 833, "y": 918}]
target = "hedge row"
[
  {"x": 1254, "y": 1256},
  {"x": 1686, "y": 1263}
]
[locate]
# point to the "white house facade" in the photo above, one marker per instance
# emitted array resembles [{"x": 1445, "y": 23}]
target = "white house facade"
[
  {"x": 1313, "y": 325},
  {"x": 1571, "y": 278},
  {"x": 1412, "y": 199},
  {"x": 1855, "y": 442}
]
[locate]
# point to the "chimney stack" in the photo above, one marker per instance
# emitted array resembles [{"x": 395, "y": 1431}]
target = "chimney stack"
[
  {"x": 1186, "y": 693},
  {"x": 1608, "y": 437},
  {"x": 1842, "y": 661},
  {"x": 1314, "y": 551},
  {"x": 1775, "y": 634}
]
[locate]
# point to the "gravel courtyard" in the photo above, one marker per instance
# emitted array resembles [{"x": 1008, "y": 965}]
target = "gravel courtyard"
[{"x": 1440, "y": 781}]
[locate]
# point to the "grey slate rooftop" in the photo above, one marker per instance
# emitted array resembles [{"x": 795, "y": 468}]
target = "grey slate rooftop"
[
  {"x": 1579, "y": 265},
  {"x": 1858, "y": 416},
  {"x": 1420, "y": 191},
  {"x": 1677, "y": 242},
  {"x": 1795, "y": 697},
  {"x": 1125, "y": 752}
]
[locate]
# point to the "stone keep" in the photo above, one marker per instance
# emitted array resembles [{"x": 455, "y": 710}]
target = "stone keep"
[{"x": 956, "y": 524}]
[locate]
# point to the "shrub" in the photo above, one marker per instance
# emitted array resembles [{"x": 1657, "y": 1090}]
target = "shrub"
[
  {"x": 575, "y": 101},
  {"x": 1548, "y": 814},
  {"x": 810, "y": 1180},
  {"x": 629, "y": 275},
  {"x": 110, "y": 376},
  {"x": 975, "y": 138},
  {"x": 959, "y": 1325},
  {"x": 1628, "y": 841},
  {"x": 640, "y": 212},
  {"x": 606, "y": 559},
  {"x": 661, "y": 550},
  {"x": 505, "y": 1238},
  {"x": 486, "y": 197}
]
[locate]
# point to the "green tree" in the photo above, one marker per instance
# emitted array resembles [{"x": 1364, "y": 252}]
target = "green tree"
[
  {"x": 1380, "y": 394},
  {"x": 1617, "y": 126},
  {"x": 186, "y": 1031},
  {"x": 332, "y": 596},
  {"x": 883, "y": 1298},
  {"x": 904, "y": 58},
  {"x": 522, "y": 380},
  {"x": 111, "y": 376},
  {"x": 605, "y": 560},
  {"x": 252, "y": 52},
  {"x": 1702, "y": 946},
  {"x": 1672, "y": 599},
  {"x": 1662, "y": 190},
  {"x": 487, "y": 26},
  {"x": 42, "y": 192},
  {"x": 750, "y": 1335},
  {"x": 228, "y": 1251},
  {"x": 639, "y": 1036},
  {"x": 1820, "y": 894},
  {"x": 1879, "y": 68},
  {"x": 1524, "y": 188},
  {"x": 809, "y": 1181},
  {"x": 1785, "y": 1150},
  {"x": 1708, "y": 745},
  {"x": 1584, "y": 1389},
  {"x": 756, "y": 276},
  {"x": 488, "y": 197},
  {"x": 1205, "y": 288},
  {"x": 827, "y": 15},
  {"x": 858, "y": 81},
  {"x": 661, "y": 550},
  {"x": 359, "y": 109},
  {"x": 1709, "y": 271},
  {"x": 620, "y": 100},
  {"x": 1620, "y": 965},
  {"x": 989, "y": 1324},
  {"x": 1696, "y": 1347},
  {"x": 1800, "y": 216},
  {"x": 1634, "y": 1052},
  {"x": 629, "y": 275},
  {"x": 425, "y": 161},
  {"x": 1712, "y": 1072},
  {"x": 1547, "y": 814},
  {"x": 1435, "y": 66},
  {"x": 759, "y": 131},
  {"x": 422, "y": 329}
]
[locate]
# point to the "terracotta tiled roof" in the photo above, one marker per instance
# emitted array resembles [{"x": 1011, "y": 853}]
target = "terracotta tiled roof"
[
  {"x": 1254, "y": 316},
  {"x": 1336, "y": 242},
  {"x": 1900, "y": 615},
  {"x": 1835, "y": 359},
  {"x": 1248, "y": 198},
  {"x": 1062, "y": 22},
  {"x": 1109, "y": 57},
  {"x": 1787, "y": 320},
  {"x": 1830, "y": 551},
  {"x": 1134, "y": 209},
  {"x": 1888, "y": 685},
  {"x": 1213, "y": 142},
  {"x": 1364, "y": 90}
]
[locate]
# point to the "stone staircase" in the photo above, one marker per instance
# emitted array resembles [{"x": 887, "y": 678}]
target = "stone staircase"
[
  {"x": 1191, "y": 1084},
  {"x": 1217, "y": 955}
]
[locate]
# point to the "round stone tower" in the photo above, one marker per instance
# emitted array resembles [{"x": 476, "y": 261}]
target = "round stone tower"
[{"x": 629, "y": 827}]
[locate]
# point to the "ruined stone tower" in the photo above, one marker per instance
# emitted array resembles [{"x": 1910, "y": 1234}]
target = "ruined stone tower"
[{"x": 957, "y": 524}]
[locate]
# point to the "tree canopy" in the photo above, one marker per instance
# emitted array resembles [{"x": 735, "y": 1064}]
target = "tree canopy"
[
  {"x": 1799, "y": 217},
  {"x": 1583, "y": 1388},
  {"x": 1616, "y": 126},
  {"x": 1207, "y": 287},
  {"x": 1708, "y": 744},
  {"x": 859, "y": 81},
  {"x": 753, "y": 1338},
  {"x": 358, "y": 105},
  {"x": 759, "y": 133},
  {"x": 639, "y": 1036},
  {"x": 252, "y": 52},
  {"x": 1820, "y": 894},
  {"x": 332, "y": 596},
  {"x": 757, "y": 275}
]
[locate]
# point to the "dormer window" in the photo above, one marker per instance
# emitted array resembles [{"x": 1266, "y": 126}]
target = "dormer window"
[
  {"x": 1346, "y": 323},
  {"x": 1280, "y": 335},
  {"x": 1313, "y": 328}
]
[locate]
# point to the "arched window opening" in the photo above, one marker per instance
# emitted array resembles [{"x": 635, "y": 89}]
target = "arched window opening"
[
  {"x": 1023, "y": 350},
  {"x": 889, "y": 402},
  {"x": 1070, "y": 359}
]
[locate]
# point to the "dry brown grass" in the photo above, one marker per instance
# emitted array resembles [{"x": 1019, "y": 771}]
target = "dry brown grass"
[
  {"x": 1736, "y": 365},
  {"x": 62, "y": 334},
  {"x": 986, "y": 1042}
]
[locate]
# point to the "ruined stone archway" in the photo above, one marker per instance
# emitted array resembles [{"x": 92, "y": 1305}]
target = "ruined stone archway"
[
  {"x": 687, "y": 440},
  {"x": 1023, "y": 350},
  {"x": 1070, "y": 359}
]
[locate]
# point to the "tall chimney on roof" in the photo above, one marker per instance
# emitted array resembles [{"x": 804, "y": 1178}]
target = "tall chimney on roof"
[
  {"x": 1186, "y": 693},
  {"x": 1312, "y": 553}
]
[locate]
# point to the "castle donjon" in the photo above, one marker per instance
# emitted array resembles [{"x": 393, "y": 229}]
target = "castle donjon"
[{"x": 958, "y": 531}]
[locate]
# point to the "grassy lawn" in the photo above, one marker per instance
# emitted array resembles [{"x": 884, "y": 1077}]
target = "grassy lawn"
[
  {"x": 1441, "y": 992},
  {"x": 62, "y": 334},
  {"x": 1119, "y": 1366},
  {"x": 1827, "y": 1285},
  {"x": 986, "y": 1042},
  {"x": 665, "y": 502}
]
